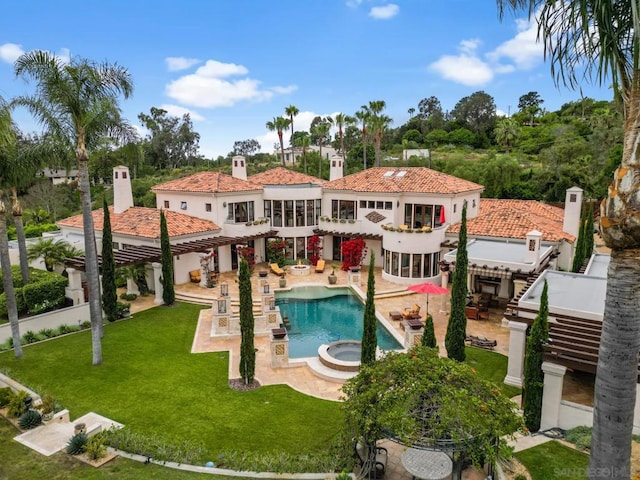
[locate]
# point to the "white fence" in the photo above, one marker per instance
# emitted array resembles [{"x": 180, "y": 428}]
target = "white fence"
[{"x": 66, "y": 316}]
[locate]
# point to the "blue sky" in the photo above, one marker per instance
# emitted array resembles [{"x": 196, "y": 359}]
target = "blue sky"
[{"x": 235, "y": 64}]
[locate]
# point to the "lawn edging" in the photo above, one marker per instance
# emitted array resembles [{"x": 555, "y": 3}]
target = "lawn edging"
[
  {"x": 16, "y": 386},
  {"x": 223, "y": 471}
]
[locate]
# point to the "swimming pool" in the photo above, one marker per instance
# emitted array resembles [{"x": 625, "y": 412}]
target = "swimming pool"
[{"x": 320, "y": 315}]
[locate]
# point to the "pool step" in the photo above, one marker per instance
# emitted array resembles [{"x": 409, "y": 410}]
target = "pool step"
[
  {"x": 393, "y": 293},
  {"x": 327, "y": 373}
]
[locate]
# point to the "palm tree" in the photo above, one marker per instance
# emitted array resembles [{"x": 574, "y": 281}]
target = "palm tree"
[
  {"x": 342, "y": 122},
  {"x": 506, "y": 132},
  {"x": 7, "y": 146},
  {"x": 52, "y": 252},
  {"x": 279, "y": 124},
  {"x": 378, "y": 124},
  {"x": 304, "y": 141},
  {"x": 363, "y": 115},
  {"x": 320, "y": 131},
  {"x": 601, "y": 40},
  {"x": 411, "y": 111},
  {"x": 78, "y": 103},
  {"x": 292, "y": 111}
]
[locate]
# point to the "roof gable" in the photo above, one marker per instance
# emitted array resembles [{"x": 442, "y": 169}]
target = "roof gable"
[
  {"x": 144, "y": 222},
  {"x": 403, "y": 180},
  {"x": 208, "y": 182},
  {"x": 515, "y": 219}
]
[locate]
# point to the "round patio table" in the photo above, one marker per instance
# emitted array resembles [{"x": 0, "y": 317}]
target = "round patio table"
[{"x": 427, "y": 464}]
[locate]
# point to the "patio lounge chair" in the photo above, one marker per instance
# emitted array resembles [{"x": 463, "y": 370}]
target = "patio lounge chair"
[
  {"x": 411, "y": 313},
  {"x": 320, "y": 266},
  {"x": 276, "y": 269},
  {"x": 371, "y": 467}
]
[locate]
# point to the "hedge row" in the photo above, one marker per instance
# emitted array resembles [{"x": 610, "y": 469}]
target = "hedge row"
[{"x": 45, "y": 292}]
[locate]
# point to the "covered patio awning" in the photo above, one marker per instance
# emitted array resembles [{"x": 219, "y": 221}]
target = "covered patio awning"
[
  {"x": 366, "y": 236},
  {"x": 144, "y": 254}
]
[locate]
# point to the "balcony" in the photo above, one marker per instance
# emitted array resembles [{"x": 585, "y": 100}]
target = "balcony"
[
  {"x": 341, "y": 226},
  {"x": 246, "y": 229},
  {"x": 409, "y": 240}
]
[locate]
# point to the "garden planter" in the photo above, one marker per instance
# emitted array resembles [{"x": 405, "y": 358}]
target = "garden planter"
[
  {"x": 332, "y": 279},
  {"x": 283, "y": 282}
]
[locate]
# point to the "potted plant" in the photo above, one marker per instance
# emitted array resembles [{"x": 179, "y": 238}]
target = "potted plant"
[
  {"x": 283, "y": 280},
  {"x": 332, "y": 276}
]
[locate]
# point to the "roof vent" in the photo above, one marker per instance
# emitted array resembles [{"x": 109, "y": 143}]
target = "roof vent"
[
  {"x": 388, "y": 174},
  {"x": 401, "y": 173}
]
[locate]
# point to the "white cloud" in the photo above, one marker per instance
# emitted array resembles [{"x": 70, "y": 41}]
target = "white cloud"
[
  {"x": 175, "y": 64},
  {"x": 465, "y": 69},
  {"x": 9, "y": 52},
  {"x": 353, "y": 3},
  {"x": 523, "y": 49},
  {"x": 64, "y": 55},
  {"x": 385, "y": 12},
  {"x": 178, "y": 111},
  {"x": 470, "y": 46},
  {"x": 209, "y": 88}
]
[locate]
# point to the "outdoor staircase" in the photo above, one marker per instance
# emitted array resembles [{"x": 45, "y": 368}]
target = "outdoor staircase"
[{"x": 207, "y": 299}]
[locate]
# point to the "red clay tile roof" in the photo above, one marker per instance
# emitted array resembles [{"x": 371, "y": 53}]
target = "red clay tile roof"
[
  {"x": 516, "y": 218},
  {"x": 392, "y": 180},
  {"x": 145, "y": 222},
  {"x": 284, "y": 176},
  {"x": 207, "y": 182}
]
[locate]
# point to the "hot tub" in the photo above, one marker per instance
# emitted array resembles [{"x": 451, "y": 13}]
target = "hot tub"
[{"x": 343, "y": 355}]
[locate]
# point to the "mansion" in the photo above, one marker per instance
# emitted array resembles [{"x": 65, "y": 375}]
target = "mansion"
[{"x": 408, "y": 216}]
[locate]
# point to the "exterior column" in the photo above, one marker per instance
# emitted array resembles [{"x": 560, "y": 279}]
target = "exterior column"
[
  {"x": 132, "y": 287},
  {"x": 444, "y": 276},
  {"x": 551, "y": 395},
  {"x": 204, "y": 273},
  {"x": 412, "y": 337},
  {"x": 279, "y": 350},
  {"x": 157, "y": 275},
  {"x": 74, "y": 291},
  {"x": 517, "y": 345}
]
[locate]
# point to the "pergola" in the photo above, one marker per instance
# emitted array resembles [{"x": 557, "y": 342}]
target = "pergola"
[{"x": 144, "y": 254}]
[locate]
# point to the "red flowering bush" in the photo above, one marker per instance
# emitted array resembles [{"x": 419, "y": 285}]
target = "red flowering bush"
[
  {"x": 314, "y": 249},
  {"x": 353, "y": 252}
]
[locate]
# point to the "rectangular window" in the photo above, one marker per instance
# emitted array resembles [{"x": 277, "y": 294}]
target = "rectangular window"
[
  {"x": 288, "y": 213},
  {"x": 318, "y": 211},
  {"x": 408, "y": 210},
  {"x": 388, "y": 205},
  {"x": 371, "y": 204},
  {"x": 277, "y": 213},
  {"x": 240, "y": 212},
  {"x": 387, "y": 260},
  {"x": 166, "y": 204},
  {"x": 115, "y": 174},
  {"x": 310, "y": 213},
  {"x": 301, "y": 243},
  {"x": 267, "y": 210},
  {"x": 207, "y": 207},
  {"x": 334, "y": 208},
  {"x": 405, "y": 264},
  {"x": 394, "y": 263},
  {"x": 124, "y": 175},
  {"x": 416, "y": 266},
  {"x": 299, "y": 213},
  {"x": 116, "y": 246},
  {"x": 346, "y": 209},
  {"x": 363, "y": 204},
  {"x": 435, "y": 264},
  {"x": 183, "y": 205},
  {"x": 289, "y": 248},
  {"x": 379, "y": 205}
]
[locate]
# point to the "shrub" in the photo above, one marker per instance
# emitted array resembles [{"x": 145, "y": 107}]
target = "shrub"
[
  {"x": 123, "y": 309},
  {"x": 77, "y": 444},
  {"x": 63, "y": 329},
  {"x": 129, "y": 297},
  {"x": 29, "y": 337},
  {"x": 580, "y": 437},
  {"x": 17, "y": 405},
  {"x": 86, "y": 324},
  {"x": 95, "y": 448},
  {"x": 30, "y": 419},
  {"x": 47, "y": 332},
  {"x": 48, "y": 404},
  {"x": 6, "y": 394},
  {"x": 44, "y": 292}
]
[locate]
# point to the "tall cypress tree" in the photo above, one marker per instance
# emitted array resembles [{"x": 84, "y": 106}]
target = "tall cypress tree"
[
  {"x": 369, "y": 340},
  {"x": 588, "y": 230},
  {"x": 533, "y": 375},
  {"x": 109, "y": 293},
  {"x": 579, "y": 254},
  {"x": 247, "y": 350},
  {"x": 429, "y": 335},
  {"x": 168, "y": 292},
  {"x": 457, "y": 326}
]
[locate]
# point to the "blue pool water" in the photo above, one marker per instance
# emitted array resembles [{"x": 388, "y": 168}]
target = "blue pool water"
[{"x": 321, "y": 315}]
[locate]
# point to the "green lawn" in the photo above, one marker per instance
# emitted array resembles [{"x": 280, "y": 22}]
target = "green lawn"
[
  {"x": 27, "y": 464},
  {"x": 491, "y": 366},
  {"x": 150, "y": 382},
  {"x": 554, "y": 460}
]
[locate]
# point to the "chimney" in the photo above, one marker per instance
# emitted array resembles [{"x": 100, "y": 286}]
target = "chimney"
[
  {"x": 122, "y": 196},
  {"x": 336, "y": 167},
  {"x": 532, "y": 246},
  {"x": 572, "y": 211},
  {"x": 239, "y": 167}
]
